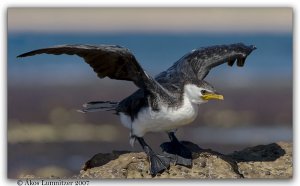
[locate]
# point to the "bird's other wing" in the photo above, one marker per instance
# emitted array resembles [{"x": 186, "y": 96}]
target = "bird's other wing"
[
  {"x": 199, "y": 62},
  {"x": 110, "y": 61}
]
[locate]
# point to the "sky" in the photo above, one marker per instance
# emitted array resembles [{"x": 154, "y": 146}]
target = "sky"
[{"x": 150, "y": 19}]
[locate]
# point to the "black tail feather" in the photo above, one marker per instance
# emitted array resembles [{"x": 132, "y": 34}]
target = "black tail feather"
[{"x": 95, "y": 106}]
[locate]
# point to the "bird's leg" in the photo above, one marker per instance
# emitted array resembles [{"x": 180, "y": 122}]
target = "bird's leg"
[
  {"x": 158, "y": 163},
  {"x": 177, "y": 151}
]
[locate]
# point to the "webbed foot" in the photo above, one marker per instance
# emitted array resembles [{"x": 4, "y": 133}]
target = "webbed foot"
[
  {"x": 158, "y": 164},
  {"x": 180, "y": 154}
]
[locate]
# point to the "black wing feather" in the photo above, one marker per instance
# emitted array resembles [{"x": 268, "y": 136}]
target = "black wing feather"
[
  {"x": 204, "y": 59},
  {"x": 197, "y": 64},
  {"x": 110, "y": 61}
]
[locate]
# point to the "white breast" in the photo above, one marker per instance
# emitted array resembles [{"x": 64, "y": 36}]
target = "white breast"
[{"x": 164, "y": 120}]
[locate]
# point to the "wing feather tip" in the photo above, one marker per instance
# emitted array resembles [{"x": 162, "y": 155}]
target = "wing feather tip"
[
  {"x": 240, "y": 62},
  {"x": 21, "y": 55},
  {"x": 230, "y": 63}
]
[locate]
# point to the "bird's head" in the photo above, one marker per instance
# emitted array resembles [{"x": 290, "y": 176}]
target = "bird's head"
[{"x": 201, "y": 92}]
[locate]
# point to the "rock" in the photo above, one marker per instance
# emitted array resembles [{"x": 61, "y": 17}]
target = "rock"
[
  {"x": 263, "y": 161},
  {"x": 266, "y": 161}
]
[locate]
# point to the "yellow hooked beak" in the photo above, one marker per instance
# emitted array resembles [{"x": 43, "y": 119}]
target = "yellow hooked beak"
[{"x": 212, "y": 96}]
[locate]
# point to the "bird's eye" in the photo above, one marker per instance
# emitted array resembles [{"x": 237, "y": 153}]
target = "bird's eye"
[{"x": 203, "y": 92}]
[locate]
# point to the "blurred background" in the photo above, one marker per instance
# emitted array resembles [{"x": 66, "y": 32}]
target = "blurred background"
[{"x": 47, "y": 136}]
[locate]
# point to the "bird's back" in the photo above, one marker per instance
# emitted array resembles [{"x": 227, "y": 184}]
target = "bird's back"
[
  {"x": 141, "y": 98},
  {"x": 133, "y": 103}
]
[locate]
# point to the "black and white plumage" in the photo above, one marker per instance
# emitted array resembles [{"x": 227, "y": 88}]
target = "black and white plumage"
[{"x": 164, "y": 103}]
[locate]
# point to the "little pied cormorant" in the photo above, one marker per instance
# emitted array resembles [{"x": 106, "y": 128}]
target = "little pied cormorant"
[{"x": 164, "y": 103}]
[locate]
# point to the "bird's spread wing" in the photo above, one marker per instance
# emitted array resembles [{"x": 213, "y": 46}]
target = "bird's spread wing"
[
  {"x": 110, "y": 61},
  {"x": 198, "y": 63}
]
